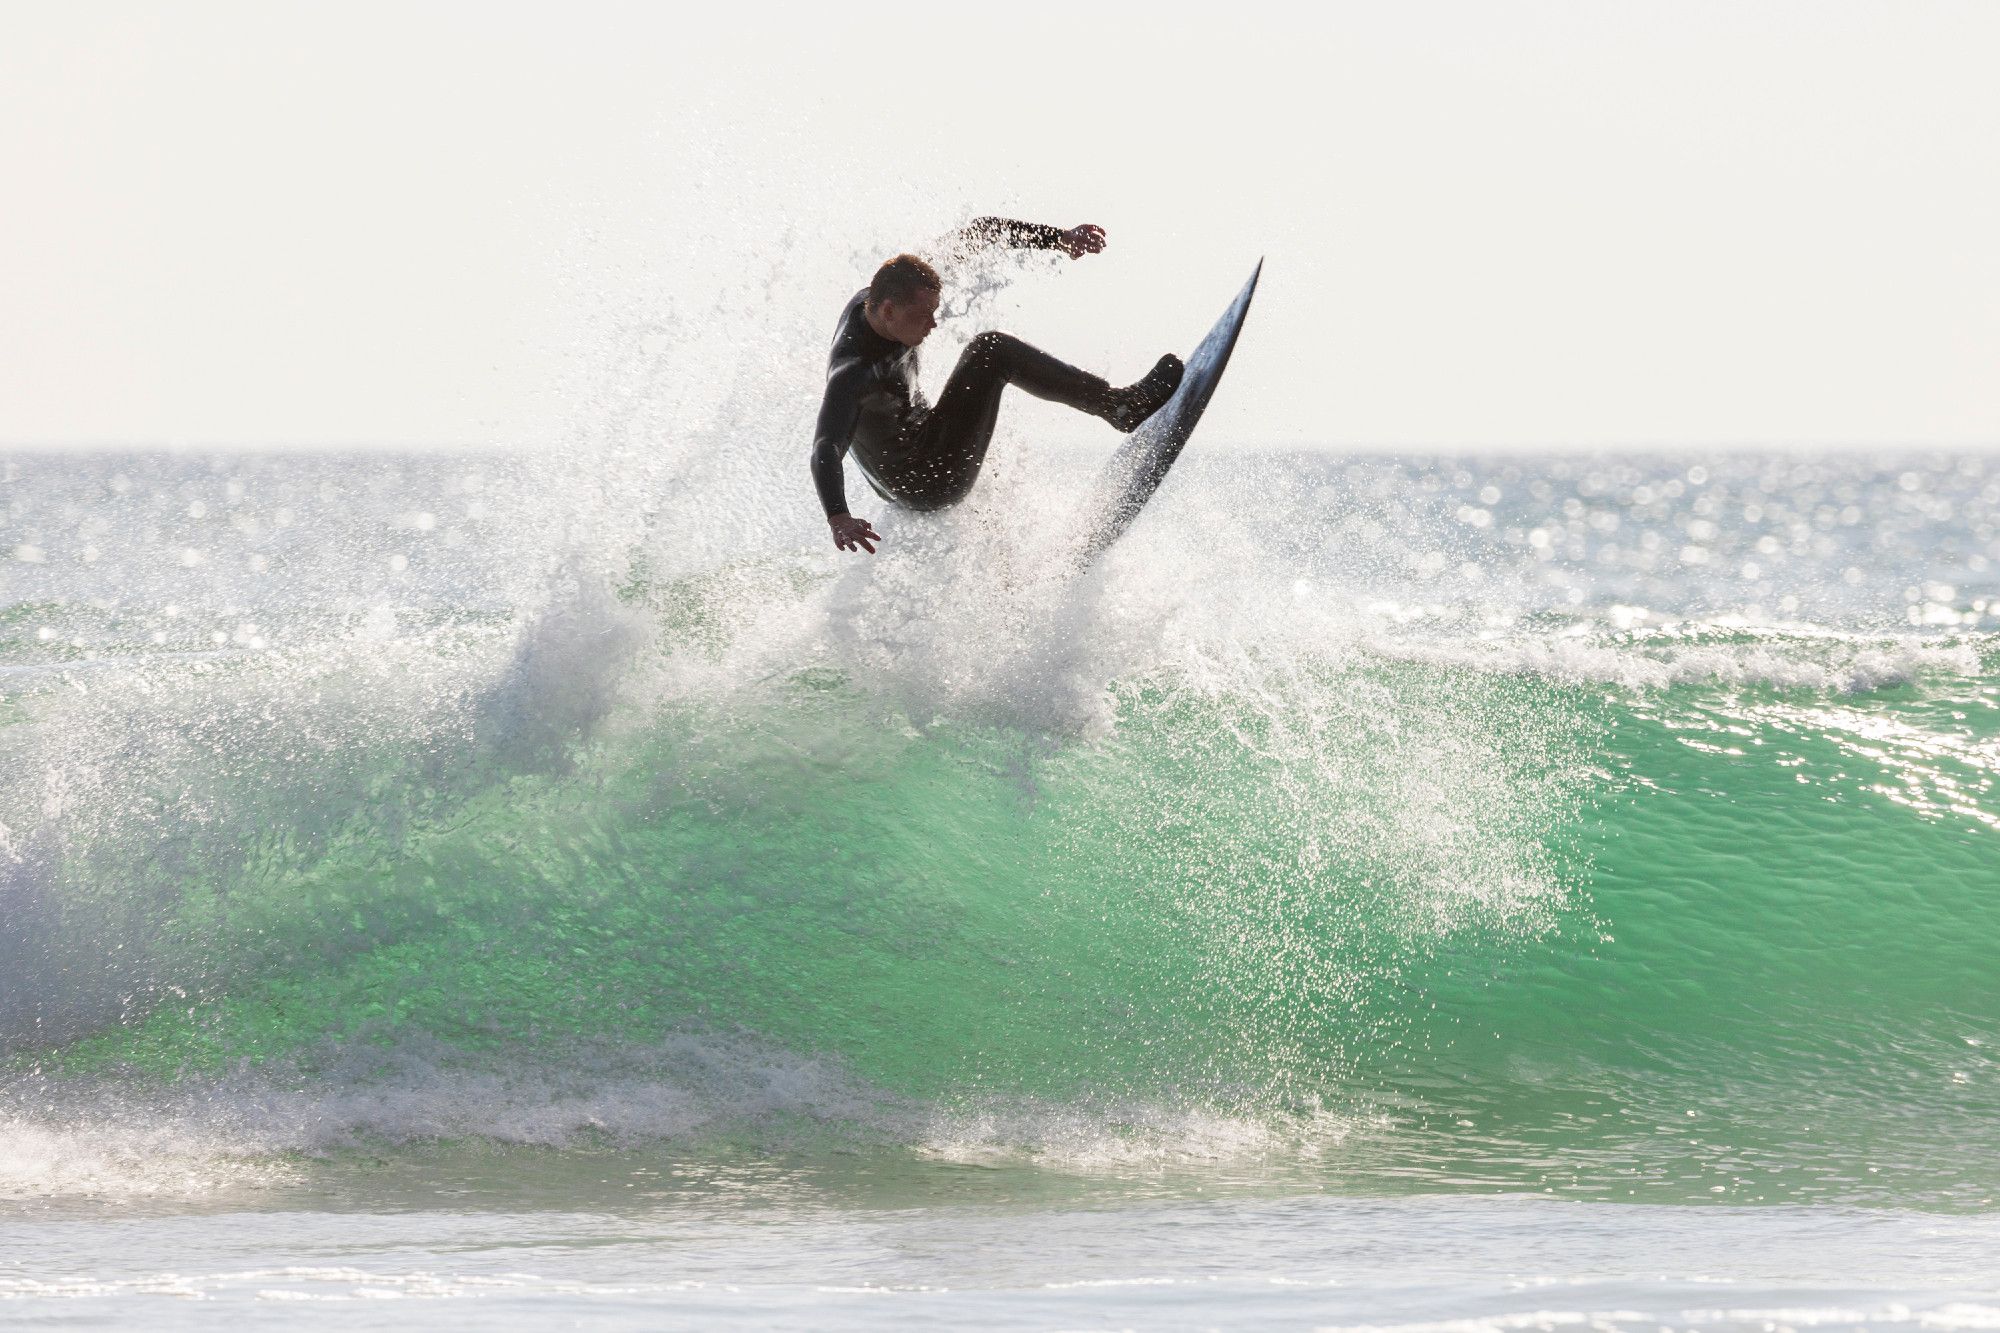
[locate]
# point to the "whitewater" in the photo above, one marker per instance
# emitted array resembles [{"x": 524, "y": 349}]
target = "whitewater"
[{"x": 1390, "y": 892}]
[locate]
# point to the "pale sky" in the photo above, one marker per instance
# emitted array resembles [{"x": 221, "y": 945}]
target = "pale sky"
[{"x": 1488, "y": 225}]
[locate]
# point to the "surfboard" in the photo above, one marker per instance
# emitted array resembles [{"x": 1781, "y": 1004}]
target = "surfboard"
[{"x": 1141, "y": 463}]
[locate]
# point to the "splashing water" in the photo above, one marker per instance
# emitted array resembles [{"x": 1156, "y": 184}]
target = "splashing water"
[{"x": 1411, "y": 844}]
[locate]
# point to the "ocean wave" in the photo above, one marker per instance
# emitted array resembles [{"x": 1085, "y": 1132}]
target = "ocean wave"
[{"x": 1171, "y": 863}]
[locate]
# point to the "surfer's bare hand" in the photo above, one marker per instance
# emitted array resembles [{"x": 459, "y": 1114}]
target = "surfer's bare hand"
[
  {"x": 850, "y": 533},
  {"x": 1086, "y": 238}
]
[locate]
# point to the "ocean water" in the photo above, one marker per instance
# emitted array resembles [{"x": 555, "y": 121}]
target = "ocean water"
[{"x": 1386, "y": 892}]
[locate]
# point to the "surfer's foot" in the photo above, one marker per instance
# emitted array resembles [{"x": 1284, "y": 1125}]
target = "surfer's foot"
[{"x": 1127, "y": 408}]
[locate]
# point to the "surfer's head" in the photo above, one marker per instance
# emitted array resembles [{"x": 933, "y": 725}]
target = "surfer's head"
[{"x": 903, "y": 300}]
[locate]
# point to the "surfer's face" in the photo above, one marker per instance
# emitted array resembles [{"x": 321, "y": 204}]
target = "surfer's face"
[{"x": 909, "y": 322}]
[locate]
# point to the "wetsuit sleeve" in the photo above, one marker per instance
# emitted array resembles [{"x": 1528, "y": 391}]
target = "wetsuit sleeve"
[
  {"x": 983, "y": 233},
  {"x": 838, "y": 412}
]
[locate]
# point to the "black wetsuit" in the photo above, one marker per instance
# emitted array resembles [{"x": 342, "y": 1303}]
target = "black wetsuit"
[{"x": 913, "y": 454}]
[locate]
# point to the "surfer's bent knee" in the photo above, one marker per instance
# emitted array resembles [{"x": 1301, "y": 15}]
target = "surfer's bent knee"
[{"x": 988, "y": 345}]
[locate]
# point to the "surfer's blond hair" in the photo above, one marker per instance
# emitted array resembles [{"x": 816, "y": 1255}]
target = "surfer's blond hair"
[{"x": 900, "y": 279}]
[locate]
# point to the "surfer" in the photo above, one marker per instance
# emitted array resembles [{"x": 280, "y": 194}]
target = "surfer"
[{"x": 923, "y": 456}]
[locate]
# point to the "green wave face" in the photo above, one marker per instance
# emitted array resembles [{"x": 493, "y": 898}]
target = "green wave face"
[
  {"x": 1673, "y": 943},
  {"x": 1789, "y": 994},
  {"x": 1197, "y": 900}
]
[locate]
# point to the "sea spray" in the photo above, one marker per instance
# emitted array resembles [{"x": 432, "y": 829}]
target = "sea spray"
[{"x": 1300, "y": 837}]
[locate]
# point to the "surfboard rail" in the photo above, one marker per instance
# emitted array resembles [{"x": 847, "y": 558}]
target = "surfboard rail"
[{"x": 1136, "y": 470}]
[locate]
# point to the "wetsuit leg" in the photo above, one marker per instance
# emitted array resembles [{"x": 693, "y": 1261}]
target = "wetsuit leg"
[{"x": 951, "y": 442}]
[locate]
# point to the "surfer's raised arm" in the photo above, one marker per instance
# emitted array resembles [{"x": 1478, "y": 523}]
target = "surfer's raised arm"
[{"x": 991, "y": 233}]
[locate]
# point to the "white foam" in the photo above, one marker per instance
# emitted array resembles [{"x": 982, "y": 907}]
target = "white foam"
[
  {"x": 1129, "y": 1134},
  {"x": 1836, "y": 664},
  {"x": 129, "y": 1135},
  {"x": 125, "y": 1137},
  {"x": 320, "y": 1283},
  {"x": 1950, "y": 1315}
]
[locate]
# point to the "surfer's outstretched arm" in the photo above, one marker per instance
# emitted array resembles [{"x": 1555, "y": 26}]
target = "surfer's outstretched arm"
[{"x": 832, "y": 435}]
